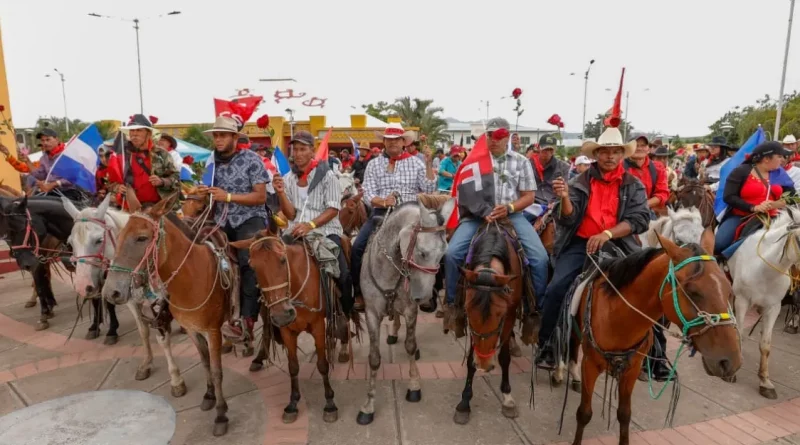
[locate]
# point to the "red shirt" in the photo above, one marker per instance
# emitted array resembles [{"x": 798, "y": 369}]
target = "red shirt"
[
  {"x": 603, "y": 206},
  {"x": 754, "y": 192},
  {"x": 642, "y": 173},
  {"x": 145, "y": 192}
]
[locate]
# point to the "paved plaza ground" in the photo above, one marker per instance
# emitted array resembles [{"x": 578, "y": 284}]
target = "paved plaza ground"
[{"x": 39, "y": 366}]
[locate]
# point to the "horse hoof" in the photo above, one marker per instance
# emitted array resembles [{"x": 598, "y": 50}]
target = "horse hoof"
[
  {"x": 555, "y": 382},
  {"x": 289, "y": 417},
  {"x": 510, "y": 412},
  {"x": 227, "y": 347},
  {"x": 29, "y": 304},
  {"x": 91, "y": 334},
  {"x": 768, "y": 392},
  {"x": 790, "y": 330},
  {"x": 207, "y": 404},
  {"x": 142, "y": 374},
  {"x": 111, "y": 340},
  {"x": 416, "y": 355},
  {"x": 364, "y": 418},
  {"x": 42, "y": 325},
  {"x": 414, "y": 396},
  {"x": 330, "y": 416},
  {"x": 344, "y": 357},
  {"x": 178, "y": 391},
  {"x": 256, "y": 366},
  {"x": 576, "y": 386},
  {"x": 248, "y": 351},
  {"x": 392, "y": 339},
  {"x": 439, "y": 314},
  {"x": 50, "y": 315},
  {"x": 731, "y": 379},
  {"x": 220, "y": 428},
  {"x": 461, "y": 417}
]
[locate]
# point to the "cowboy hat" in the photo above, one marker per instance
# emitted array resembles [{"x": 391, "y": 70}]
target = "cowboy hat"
[
  {"x": 224, "y": 124},
  {"x": 789, "y": 139},
  {"x": 610, "y": 138},
  {"x": 139, "y": 121},
  {"x": 363, "y": 146},
  {"x": 394, "y": 131},
  {"x": 719, "y": 141},
  {"x": 661, "y": 151}
]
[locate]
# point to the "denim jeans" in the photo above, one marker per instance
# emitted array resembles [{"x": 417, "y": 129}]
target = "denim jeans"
[
  {"x": 726, "y": 232},
  {"x": 458, "y": 247},
  {"x": 249, "y": 289},
  {"x": 360, "y": 246},
  {"x": 345, "y": 280},
  {"x": 569, "y": 265}
]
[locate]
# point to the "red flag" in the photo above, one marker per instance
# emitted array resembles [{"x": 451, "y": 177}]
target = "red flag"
[
  {"x": 616, "y": 111},
  {"x": 473, "y": 185},
  {"x": 241, "y": 108},
  {"x": 322, "y": 151}
]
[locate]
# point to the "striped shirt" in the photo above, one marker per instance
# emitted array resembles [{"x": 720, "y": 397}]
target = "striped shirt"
[
  {"x": 326, "y": 195},
  {"x": 513, "y": 173},
  {"x": 408, "y": 179}
]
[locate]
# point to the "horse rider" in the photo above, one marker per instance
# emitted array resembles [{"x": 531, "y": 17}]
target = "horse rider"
[
  {"x": 169, "y": 144},
  {"x": 360, "y": 166},
  {"x": 149, "y": 168},
  {"x": 412, "y": 146},
  {"x": 661, "y": 156},
  {"x": 718, "y": 156},
  {"x": 240, "y": 183},
  {"x": 514, "y": 185},
  {"x": 748, "y": 190},
  {"x": 605, "y": 203},
  {"x": 653, "y": 175},
  {"x": 390, "y": 180},
  {"x": 310, "y": 197},
  {"x": 448, "y": 168},
  {"x": 547, "y": 169},
  {"x": 790, "y": 143},
  {"x": 695, "y": 162}
]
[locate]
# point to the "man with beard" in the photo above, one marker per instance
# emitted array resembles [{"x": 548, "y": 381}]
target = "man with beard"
[
  {"x": 309, "y": 197},
  {"x": 240, "y": 183},
  {"x": 547, "y": 169}
]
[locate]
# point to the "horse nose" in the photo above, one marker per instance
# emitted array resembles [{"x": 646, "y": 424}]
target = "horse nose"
[{"x": 284, "y": 318}]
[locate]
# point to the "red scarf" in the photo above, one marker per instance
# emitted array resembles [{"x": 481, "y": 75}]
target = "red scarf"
[
  {"x": 537, "y": 164},
  {"x": 52, "y": 154},
  {"x": 394, "y": 159},
  {"x": 311, "y": 166},
  {"x": 603, "y": 205}
]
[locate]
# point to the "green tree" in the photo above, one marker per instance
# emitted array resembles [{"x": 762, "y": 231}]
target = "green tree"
[
  {"x": 420, "y": 113},
  {"x": 59, "y": 124},
  {"x": 106, "y": 129},
  {"x": 595, "y": 129},
  {"x": 677, "y": 142},
  {"x": 194, "y": 135},
  {"x": 745, "y": 121},
  {"x": 381, "y": 110}
]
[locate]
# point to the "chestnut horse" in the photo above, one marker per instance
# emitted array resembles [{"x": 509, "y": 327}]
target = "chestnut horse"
[
  {"x": 546, "y": 228},
  {"x": 292, "y": 288},
  {"x": 692, "y": 193},
  {"x": 156, "y": 251},
  {"x": 616, "y": 312},
  {"x": 491, "y": 303}
]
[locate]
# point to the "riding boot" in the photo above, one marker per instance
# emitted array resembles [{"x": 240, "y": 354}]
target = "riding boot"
[
  {"x": 239, "y": 331},
  {"x": 530, "y": 329},
  {"x": 546, "y": 359},
  {"x": 359, "y": 305}
]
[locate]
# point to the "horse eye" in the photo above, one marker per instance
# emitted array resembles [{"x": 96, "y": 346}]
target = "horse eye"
[
  {"x": 141, "y": 238},
  {"x": 98, "y": 241}
]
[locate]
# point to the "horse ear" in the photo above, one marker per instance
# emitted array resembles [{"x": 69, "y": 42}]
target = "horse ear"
[
  {"x": 70, "y": 208},
  {"x": 672, "y": 249},
  {"x": 103, "y": 208},
  {"x": 469, "y": 275},
  {"x": 243, "y": 244},
  {"x": 133, "y": 202},
  {"x": 165, "y": 205}
]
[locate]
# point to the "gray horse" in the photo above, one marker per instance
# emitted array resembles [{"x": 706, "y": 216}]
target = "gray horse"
[{"x": 398, "y": 273}]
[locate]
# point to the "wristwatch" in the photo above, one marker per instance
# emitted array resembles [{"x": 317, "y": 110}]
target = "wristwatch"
[{"x": 510, "y": 208}]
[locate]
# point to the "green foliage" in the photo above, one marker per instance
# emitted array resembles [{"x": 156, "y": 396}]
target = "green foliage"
[
  {"x": 59, "y": 124},
  {"x": 381, "y": 110},
  {"x": 677, "y": 142},
  {"x": 595, "y": 129},
  {"x": 194, "y": 135},
  {"x": 745, "y": 121},
  {"x": 106, "y": 129},
  {"x": 413, "y": 113}
]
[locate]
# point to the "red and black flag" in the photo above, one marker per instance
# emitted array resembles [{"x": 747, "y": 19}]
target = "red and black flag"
[{"x": 473, "y": 186}]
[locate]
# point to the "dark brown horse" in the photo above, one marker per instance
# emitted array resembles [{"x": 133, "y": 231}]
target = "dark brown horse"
[
  {"x": 291, "y": 286},
  {"x": 155, "y": 251},
  {"x": 353, "y": 214},
  {"x": 617, "y": 310},
  {"x": 693, "y": 193},
  {"x": 493, "y": 295},
  {"x": 546, "y": 228}
]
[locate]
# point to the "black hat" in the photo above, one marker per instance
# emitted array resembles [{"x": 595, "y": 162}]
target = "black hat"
[
  {"x": 139, "y": 121},
  {"x": 47, "y": 132},
  {"x": 303, "y": 137},
  {"x": 640, "y": 136},
  {"x": 661, "y": 151},
  {"x": 548, "y": 141},
  {"x": 768, "y": 148},
  {"x": 170, "y": 139},
  {"x": 258, "y": 147},
  {"x": 719, "y": 141}
]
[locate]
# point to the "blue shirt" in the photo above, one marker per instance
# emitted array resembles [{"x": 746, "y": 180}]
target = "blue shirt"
[
  {"x": 238, "y": 176},
  {"x": 447, "y": 165}
]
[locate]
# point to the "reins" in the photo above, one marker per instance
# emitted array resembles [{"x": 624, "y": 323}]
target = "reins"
[{"x": 292, "y": 298}]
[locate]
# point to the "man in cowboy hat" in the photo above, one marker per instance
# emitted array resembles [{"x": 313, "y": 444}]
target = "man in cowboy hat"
[
  {"x": 718, "y": 156},
  {"x": 149, "y": 168},
  {"x": 390, "y": 180},
  {"x": 790, "y": 143},
  {"x": 169, "y": 144},
  {"x": 360, "y": 165},
  {"x": 546, "y": 168},
  {"x": 515, "y": 188},
  {"x": 653, "y": 175},
  {"x": 605, "y": 203},
  {"x": 240, "y": 184}
]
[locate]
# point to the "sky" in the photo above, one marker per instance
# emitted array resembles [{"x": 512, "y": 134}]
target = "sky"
[{"x": 697, "y": 58}]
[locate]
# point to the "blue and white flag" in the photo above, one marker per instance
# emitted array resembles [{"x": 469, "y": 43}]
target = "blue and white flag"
[
  {"x": 187, "y": 173},
  {"x": 78, "y": 162},
  {"x": 536, "y": 210},
  {"x": 355, "y": 148},
  {"x": 280, "y": 162},
  {"x": 720, "y": 208},
  {"x": 208, "y": 175}
]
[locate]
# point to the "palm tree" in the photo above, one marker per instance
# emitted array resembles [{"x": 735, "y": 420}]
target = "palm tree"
[
  {"x": 106, "y": 129},
  {"x": 59, "y": 125},
  {"x": 194, "y": 135},
  {"x": 419, "y": 113}
]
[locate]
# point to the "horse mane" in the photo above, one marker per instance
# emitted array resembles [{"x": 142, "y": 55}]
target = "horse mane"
[
  {"x": 491, "y": 244},
  {"x": 187, "y": 232},
  {"x": 623, "y": 271}
]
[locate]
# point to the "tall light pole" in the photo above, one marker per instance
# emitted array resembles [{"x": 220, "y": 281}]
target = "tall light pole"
[
  {"x": 585, "y": 95},
  {"x": 783, "y": 76},
  {"x": 63, "y": 94},
  {"x": 135, "y": 22}
]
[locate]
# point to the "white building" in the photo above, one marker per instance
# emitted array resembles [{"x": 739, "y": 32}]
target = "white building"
[{"x": 459, "y": 131}]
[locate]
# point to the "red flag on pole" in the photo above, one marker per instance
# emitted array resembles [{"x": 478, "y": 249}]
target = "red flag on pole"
[
  {"x": 322, "y": 151},
  {"x": 241, "y": 108},
  {"x": 616, "y": 111}
]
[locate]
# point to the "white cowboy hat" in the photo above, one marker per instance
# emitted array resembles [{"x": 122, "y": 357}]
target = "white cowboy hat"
[
  {"x": 610, "y": 138},
  {"x": 394, "y": 131},
  {"x": 224, "y": 124},
  {"x": 789, "y": 139}
]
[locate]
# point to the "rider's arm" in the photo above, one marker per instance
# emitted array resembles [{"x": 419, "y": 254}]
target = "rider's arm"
[
  {"x": 661, "y": 194},
  {"x": 525, "y": 200},
  {"x": 426, "y": 179},
  {"x": 636, "y": 219},
  {"x": 370, "y": 185},
  {"x": 733, "y": 186},
  {"x": 286, "y": 205},
  {"x": 257, "y": 197}
]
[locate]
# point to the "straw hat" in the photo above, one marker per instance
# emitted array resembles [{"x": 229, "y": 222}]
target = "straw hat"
[
  {"x": 610, "y": 138},
  {"x": 224, "y": 124}
]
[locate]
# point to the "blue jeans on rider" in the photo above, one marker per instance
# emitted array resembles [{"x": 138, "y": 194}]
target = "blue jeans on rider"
[
  {"x": 345, "y": 281},
  {"x": 726, "y": 232},
  {"x": 360, "y": 246},
  {"x": 530, "y": 217},
  {"x": 569, "y": 265},
  {"x": 458, "y": 247},
  {"x": 249, "y": 289}
]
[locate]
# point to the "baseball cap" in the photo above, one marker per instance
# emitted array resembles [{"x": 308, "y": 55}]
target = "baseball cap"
[
  {"x": 548, "y": 141},
  {"x": 303, "y": 137},
  {"x": 583, "y": 160},
  {"x": 47, "y": 132}
]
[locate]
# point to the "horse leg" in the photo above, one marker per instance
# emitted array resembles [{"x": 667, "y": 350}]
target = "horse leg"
[
  {"x": 574, "y": 370},
  {"x": 113, "y": 324},
  {"x": 392, "y": 337},
  {"x": 44, "y": 291},
  {"x": 215, "y": 356},
  {"x": 509, "y": 405},
  {"x": 367, "y": 413},
  {"x": 34, "y": 297},
  {"x": 414, "y": 392},
  {"x": 765, "y": 386},
  {"x": 143, "y": 371},
  {"x": 626, "y": 383},
  {"x": 590, "y": 372},
  {"x": 330, "y": 412},
  {"x": 463, "y": 409},
  {"x": 209, "y": 398},
  {"x": 290, "y": 341},
  {"x": 163, "y": 336},
  {"x": 258, "y": 362},
  {"x": 344, "y": 352},
  {"x": 94, "y": 328}
]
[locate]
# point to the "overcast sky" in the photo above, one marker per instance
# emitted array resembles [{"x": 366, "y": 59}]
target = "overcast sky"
[{"x": 699, "y": 58}]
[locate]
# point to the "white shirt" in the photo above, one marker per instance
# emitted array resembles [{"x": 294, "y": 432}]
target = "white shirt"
[
  {"x": 176, "y": 159},
  {"x": 794, "y": 173}
]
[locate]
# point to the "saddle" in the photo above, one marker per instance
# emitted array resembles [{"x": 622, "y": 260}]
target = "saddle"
[{"x": 747, "y": 227}]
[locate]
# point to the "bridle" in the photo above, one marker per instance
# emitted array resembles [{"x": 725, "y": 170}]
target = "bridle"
[
  {"x": 288, "y": 296},
  {"x": 98, "y": 259},
  {"x": 31, "y": 235},
  {"x": 505, "y": 292}
]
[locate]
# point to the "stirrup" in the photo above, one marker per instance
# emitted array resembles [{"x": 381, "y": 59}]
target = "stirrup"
[{"x": 234, "y": 331}]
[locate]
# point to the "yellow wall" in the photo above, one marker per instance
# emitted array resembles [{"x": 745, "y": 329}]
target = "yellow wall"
[{"x": 8, "y": 175}]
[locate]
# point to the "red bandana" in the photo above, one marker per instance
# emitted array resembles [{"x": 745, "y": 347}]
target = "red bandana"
[
  {"x": 537, "y": 163},
  {"x": 56, "y": 151},
  {"x": 311, "y": 166},
  {"x": 404, "y": 155}
]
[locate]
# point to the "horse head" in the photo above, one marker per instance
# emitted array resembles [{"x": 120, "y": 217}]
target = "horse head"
[
  {"x": 92, "y": 245},
  {"x": 348, "y": 184},
  {"x": 696, "y": 297},
  {"x": 195, "y": 203},
  {"x": 24, "y": 231},
  {"x": 687, "y": 225},
  {"x": 422, "y": 245}
]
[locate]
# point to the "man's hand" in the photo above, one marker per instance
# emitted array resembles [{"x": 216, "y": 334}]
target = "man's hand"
[
  {"x": 560, "y": 188},
  {"x": 498, "y": 212},
  {"x": 122, "y": 189},
  {"x": 218, "y": 194},
  {"x": 389, "y": 201},
  {"x": 301, "y": 230},
  {"x": 278, "y": 184},
  {"x": 596, "y": 242},
  {"x": 426, "y": 151},
  {"x": 156, "y": 181},
  {"x": 46, "y": 187}
]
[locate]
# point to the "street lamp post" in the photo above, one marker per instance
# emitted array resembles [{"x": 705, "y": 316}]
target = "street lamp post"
[
  {"x": 585, "y": 95},
  {"x": 783, "y": 76},
  {"x": 63, "y": 94},
  {"x": 135, "y": 22}
]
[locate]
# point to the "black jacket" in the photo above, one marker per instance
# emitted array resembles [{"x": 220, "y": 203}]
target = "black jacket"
[
  {"x": 632, "y": 209},
  {"x": 544, "y": 186},
  {"x": 733, "y": 188},
  {"x": 359, "y": 167}
]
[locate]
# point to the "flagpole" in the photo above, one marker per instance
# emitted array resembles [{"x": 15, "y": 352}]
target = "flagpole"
[{"x": 783, "y": 76}]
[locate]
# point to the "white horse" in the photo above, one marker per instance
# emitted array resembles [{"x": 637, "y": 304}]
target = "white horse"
[
  {"x": 347, "y": 182},
  {"x": 93, "y": 241},
  {"x": 682, "y": 226},
  {"x": 760, "y": 270}
]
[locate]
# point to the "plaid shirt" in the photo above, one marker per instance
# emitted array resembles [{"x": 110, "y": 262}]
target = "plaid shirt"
[
  {"x": 326, "y": 195},
  {"x": 408, "y": 178},
  {"x": 239, "y": 176},
  {"x": 512, "y": 174}
]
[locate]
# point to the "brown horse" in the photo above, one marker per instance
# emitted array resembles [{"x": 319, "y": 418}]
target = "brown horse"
[
  {"x": 353, "y": 214},
  {"x": 291, "y": 285},
  {"x": 156, "y": 251},
  {"x": 491, "y": 303},
  {"x": 692, "y": 193},
  {"x": 617, "y": 310},
  {"x": 546, "y": 228}
]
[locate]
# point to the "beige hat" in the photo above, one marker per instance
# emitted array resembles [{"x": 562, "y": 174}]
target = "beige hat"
[
  {"x": 610, "y": 138},
  {"x": 224, "y": 124},
  {"x": 789, "y": 139}
]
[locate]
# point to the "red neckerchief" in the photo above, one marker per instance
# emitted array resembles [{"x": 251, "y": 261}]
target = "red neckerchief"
[
  {"x": 537, "y": 163},
  {"x": 394, "y": 159},
  {"x": 614, "y": 175},
  {"x": 52, "y": 154},
  {"x": 311, "y": 166}
]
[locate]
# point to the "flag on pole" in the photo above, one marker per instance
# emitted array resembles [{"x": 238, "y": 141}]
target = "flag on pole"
[
  {"x": 322, "y": 151},
  {"x": 355, "y": 148},
  {"x": 473, "y": 186},
  {"x": 280, "y": 162},
  {"x": 616, "y": 111},
  {"x": 720, "y": 208},
  {"x": 241, "y": 108},
  {"x": 78, "y": 162},
  {"x": 186, "y": 173},
  {"x": 208, "y": 175}
]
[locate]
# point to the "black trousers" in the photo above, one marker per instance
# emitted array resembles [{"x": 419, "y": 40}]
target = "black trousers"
[
  {"x": 659, "y": 348},
  {"x": 249, "y": 290},
  {"x": 360, "y": 246},
  {"x": 345, "y": 280}
]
